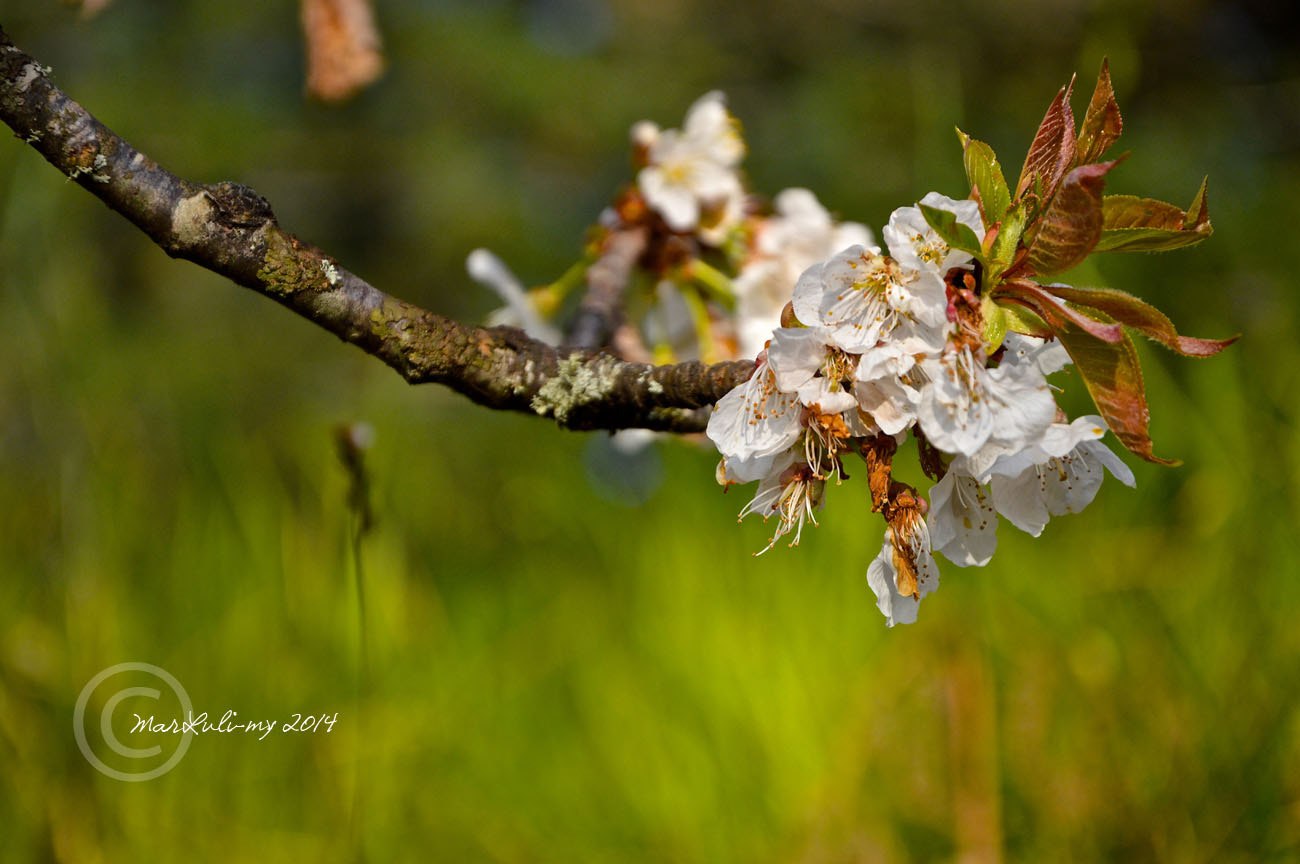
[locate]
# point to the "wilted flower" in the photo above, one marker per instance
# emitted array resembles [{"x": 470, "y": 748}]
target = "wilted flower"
[
  {"x": 791, "y": 492},
  {"x": 904, "y": 571}
]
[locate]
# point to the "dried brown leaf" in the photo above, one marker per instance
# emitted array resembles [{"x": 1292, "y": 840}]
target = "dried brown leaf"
[{"x": 344, "y": 53}]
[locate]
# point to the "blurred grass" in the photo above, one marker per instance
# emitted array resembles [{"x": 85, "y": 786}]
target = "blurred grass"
[{"x": 557, "y": 675}]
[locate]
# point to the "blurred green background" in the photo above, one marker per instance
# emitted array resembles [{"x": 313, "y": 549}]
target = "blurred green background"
[{"x": 573, "y": 655}]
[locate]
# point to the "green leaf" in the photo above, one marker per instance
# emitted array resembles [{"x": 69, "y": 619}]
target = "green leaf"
[
  {"x": 1003, "y": 250},
  {"x": 1053, "y": 311},
  {"x": 985, "y": 177},
  {"x": 1052, "y": 150},
  {"x": 956, "y": 234},
  {"x": 1114, "y": 380},
  {"x": 995, "y": 323},
  {"x": 1132, "y": 224},
  {"x": 1132, "y": 312},
  {"x": 1102, "y": 123},
  {"x": 1072, "y": 225}
]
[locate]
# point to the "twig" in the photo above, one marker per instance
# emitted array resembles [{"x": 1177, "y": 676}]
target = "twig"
[{"x": 600, "y": 312}]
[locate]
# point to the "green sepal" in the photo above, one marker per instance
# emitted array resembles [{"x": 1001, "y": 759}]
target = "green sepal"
[
  {"x": 712, "y": 282},
  {"x": 1022, "y": 320},
  {"x": 1002, "y": 251}
]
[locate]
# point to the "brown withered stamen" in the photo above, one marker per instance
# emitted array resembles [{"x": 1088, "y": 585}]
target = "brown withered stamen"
[
  {"x": 904, "y": 511},
  {"x": 931, "y": 457},
  {"x": 907, "y": 533},
  {"x": 878, "y": 453},
  {"x": 964, "y": 308},
  {"x": 905, "y": 573}
]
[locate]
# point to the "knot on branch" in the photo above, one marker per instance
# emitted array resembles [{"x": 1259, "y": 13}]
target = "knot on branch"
[
  {"x": 219, "y": 221},
  {"x": 238, "y": 206}
]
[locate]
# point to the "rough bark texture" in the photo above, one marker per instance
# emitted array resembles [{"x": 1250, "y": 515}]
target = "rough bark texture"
[{"x": 231, "y": 230}]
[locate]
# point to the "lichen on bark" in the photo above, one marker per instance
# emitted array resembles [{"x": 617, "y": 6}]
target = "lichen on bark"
[
  {"x": 578, "y": 381},
  {"x": 287, "y": 268}
]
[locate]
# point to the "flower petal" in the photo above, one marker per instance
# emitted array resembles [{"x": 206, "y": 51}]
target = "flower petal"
[
  {"x": 755, "y": 418},
  {"x": 963, "y": 523}
]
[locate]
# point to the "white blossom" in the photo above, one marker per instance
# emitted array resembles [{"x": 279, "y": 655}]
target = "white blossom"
[
  {"x": 791, "y": 491},
  {"x": 891, "y": 402},
  {"x": 964, "y": 404},
  {"x": 915, "y": 244},
  {"x": 755, "y": 419},
  {"x": 800, "y": 234},
  {"x": 736, "y": 470},
  {"x": 693, "y": 169},
  {"x": 643, "y": 135},
  {"x": 490, "y": 271},
  {"x": 863, "y": 299},
  {"x": 880, "y": 350},
  {"x": 803, "y": 363},
  {"x": 1058, "y": 475},
  {"x": 962, "y": 521},
  {"x": 1048, "y": 356}
]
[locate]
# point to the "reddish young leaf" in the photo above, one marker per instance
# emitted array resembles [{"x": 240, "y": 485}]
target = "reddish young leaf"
[
  {"x": 1148, "y": 239},
  {"x": 1072, "y": 225},
  {"x": 1132, "y": 224},
  {"x": 1054, "y": 312},
  {"x": 1130, "y": 211},
  {"x": 1053, "y": 149},
  {"x": 1130, "y": 311},
  {"x": 1102, "y": 123},
  {"x": 1199, "y": 212},
  {"x": 1114, "y": 380}
]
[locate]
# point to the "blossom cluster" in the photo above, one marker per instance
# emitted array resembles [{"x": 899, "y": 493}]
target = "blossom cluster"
[
  {"x": 882, "y": 346},
  {"x": 949, "y": 339}
]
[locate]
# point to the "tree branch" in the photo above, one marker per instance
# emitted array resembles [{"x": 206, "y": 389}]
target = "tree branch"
[{"x": 230, "y": 229}]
